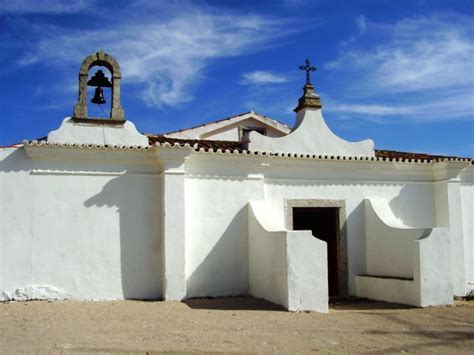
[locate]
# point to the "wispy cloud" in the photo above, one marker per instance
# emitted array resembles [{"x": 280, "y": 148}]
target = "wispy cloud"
[
  {"x": 426, "y": 64},
  {"x": 361, "y": 23},
  {"x": 165, "y": 54},
  {"x": 422, "y": 53},
  {"x": 361, "y": 26},
  {"x": 260, "y": 77},
  {"x": 367, "y": 109},
  {"x": 43, "y": 6},
  {"x": 457, "y": 106}
]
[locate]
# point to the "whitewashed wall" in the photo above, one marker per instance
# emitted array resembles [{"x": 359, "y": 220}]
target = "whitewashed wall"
[
  {"x": 390, "y": 244},
  {"x": 407, "y": 188},
  {"x": 277, "y": 190},
  {"x": 268, "y": 258},
  {"x": 16, "y": 219},
  {"x": 89, "y": 228},
  {"x": 216, "y": 234},
  {"x": 405, "y": 264},
  {"x": 454, "y": 201},
  {"x": 467, "y": 196},
  {"x": 88, "y": 222},
  {"x": 286, "y": 267}
]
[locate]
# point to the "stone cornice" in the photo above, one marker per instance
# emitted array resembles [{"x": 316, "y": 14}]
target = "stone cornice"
[
  {"x": 62, "y": 151},
  {"x": 211, "y": 153}
]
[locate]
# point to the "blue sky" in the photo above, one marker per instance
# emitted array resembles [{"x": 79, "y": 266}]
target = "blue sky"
[{"x": 399, "y": 72}]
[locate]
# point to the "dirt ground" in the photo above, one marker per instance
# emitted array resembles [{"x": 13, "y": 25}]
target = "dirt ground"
[{"x": 237, "y": 324}]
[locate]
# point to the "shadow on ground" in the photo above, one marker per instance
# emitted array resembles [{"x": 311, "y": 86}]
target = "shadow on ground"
[
  {"x": 257, "y": 304},
  {"x": 362, "y": 304},
  {"x": 432, "y": 338},
  {"x": 242, "y": 303}
]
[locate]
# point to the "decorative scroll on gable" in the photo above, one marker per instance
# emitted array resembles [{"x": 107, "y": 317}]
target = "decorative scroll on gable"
[{"x": 311, "y": 135}]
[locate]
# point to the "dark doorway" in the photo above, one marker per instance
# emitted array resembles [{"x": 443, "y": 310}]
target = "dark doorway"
[{"x": 323, "y": 222}]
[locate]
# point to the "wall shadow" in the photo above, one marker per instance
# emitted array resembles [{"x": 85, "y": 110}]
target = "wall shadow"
[
  {"x": 140, "y": 244},
  {"x": 16, "y": 161},
  {"x": 355, "y": 245},
  {"x": 224, "y": 270},
  {"x": 412, "y": 208}
]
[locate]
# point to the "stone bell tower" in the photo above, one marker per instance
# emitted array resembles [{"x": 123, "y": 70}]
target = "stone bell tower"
[
  {"x": 104, "y": 131},
  {"x": 105, "y": 60}
]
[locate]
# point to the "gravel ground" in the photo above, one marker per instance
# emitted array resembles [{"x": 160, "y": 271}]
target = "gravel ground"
[{"x": 235, "y": 324}]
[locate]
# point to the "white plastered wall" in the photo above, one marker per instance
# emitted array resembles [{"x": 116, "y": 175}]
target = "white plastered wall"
[
  {"x": 16, "y": 216},
  {"x": 405, "y": 264},
  {"x": 216, "y": 234},
  {"x": 268, "y": 262},
  {"x": 111, "y": 198},
  {"x": 124, "y": 134},
  {"x": 88, "y": 227},
  {"x": 277, "y": 190},
  {"x": 407, "y": 188},
  {"x": 286, "y": 267},
  {"x": 454, "y": 201},
  {"x": 389, "y": 247},
  {"x": 467, "y": 199},
  {"x": 211, "y": 215}
]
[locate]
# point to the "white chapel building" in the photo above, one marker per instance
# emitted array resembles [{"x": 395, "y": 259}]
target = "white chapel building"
[{"x": 245, "y": 205}]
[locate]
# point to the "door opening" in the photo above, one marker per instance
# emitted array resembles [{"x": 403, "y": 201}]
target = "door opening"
[{"x": 323, "y": 222}]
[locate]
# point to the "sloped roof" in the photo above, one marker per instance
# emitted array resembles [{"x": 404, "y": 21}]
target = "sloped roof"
[
  {"x": 197, "y": 143},
  {"x": 214, "y": 125},
  {"x": 393, "y": 154}
]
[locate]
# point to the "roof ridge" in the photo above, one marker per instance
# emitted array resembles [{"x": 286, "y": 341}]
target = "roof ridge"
[{"x": 211, "y": 122}]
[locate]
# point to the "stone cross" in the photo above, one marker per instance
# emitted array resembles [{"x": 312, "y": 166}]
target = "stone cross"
[{"x": 308, "y": 68}]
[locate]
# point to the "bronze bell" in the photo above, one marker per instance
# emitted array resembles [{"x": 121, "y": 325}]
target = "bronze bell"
[
  {"x": 100, "y": 81},
  {"x": 98, "y": 96}
]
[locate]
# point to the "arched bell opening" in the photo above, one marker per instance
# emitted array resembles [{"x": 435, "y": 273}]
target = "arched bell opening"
[
  {"x": 91, "y": 76},
  {"x": 99, "y": 92}
]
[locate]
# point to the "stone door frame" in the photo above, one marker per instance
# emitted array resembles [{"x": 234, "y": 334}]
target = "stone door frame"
[{"x": 342, "y": 268}]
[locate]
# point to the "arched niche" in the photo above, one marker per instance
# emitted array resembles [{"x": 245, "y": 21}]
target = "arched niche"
[{"x": 100, "y": 59}]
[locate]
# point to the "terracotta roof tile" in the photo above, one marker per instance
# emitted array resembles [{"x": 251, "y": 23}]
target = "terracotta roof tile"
[
  {"x": 197, "y": 143},
  {"x": 393, "y": 154}
]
